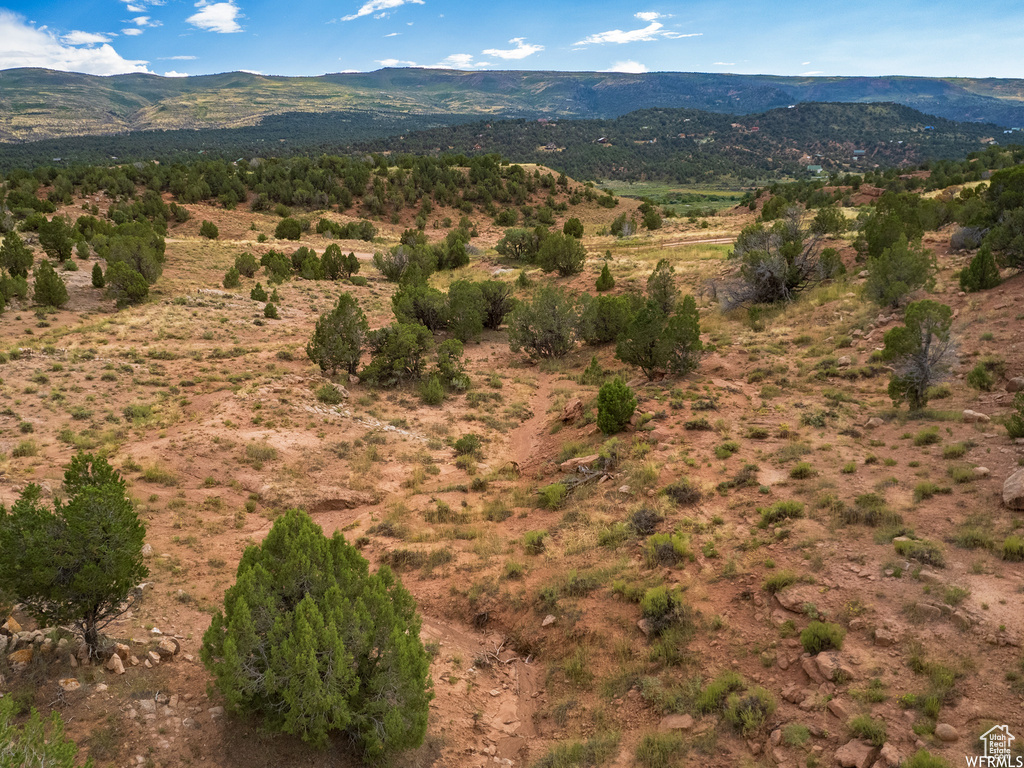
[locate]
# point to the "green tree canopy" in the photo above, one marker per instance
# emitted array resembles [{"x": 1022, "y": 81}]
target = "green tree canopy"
[
  {"x": 315, "y": 644},
  {"x": 921, "y": 352},
  {"x": 80, "y": 562},
  {"x": 49, "y": 289},
  {"x": 338, "y": 338}
]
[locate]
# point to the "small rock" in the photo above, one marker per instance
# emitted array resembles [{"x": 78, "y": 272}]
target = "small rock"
[
  {"x": 888, "y": 757},
  {"x": 928, "y": 611},
  {"x": 946, "y": 732},
  {"x": 168, "y": 647},
  {"x": 874, "y": 422},
  {"x": 884, "y": 638},
  {"x": 1013, "y": 490},
  {"x": 980, "y": 472},
  {"x": 776, "y": 737},
  {"x": 1016, "y": 384},
  {"x": 572, "y": 410},
  {"x": 973, "y": 417},
  {"x": 581, "y": 461},
  {"x": 844, "y": 361},
  {"x": 100, "y": 688},
  {"x": 69, "y": 684},
  {"x": 625, "y": 489},
  {"x": 855, "y": 754},
  {"x": 147, "y": 550},
  {"x": 676, "y": 723},
  {"x": 153, "y": 657},
  {"x": 828, "y": 664},
  {"x": 11, "y": 627},
  {"x": 147, "y": 705},
  {"x": 122, "y": 650},
  {"x": 644, "y": 626},
  {"x": 115, "y": 665},
  {"x": 216, "y": 712},
  {"x": 840, "y": 709},
  {"x": 548, "y": 620},
  {"x": 23, "y": 656},
  {"x": 811, "y": 668}
]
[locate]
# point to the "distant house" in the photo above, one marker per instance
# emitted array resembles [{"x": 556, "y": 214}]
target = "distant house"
[
  {"x": 603, "y": 140},
  {"x": 859, "y": 152},
  {"x": 814, "y": 168},
  {"x": 929, "y": 127}
]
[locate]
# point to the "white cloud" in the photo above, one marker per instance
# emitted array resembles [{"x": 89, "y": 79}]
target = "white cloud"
[
  {"x": 379, "y": 8},
  {"x": 27, "y": 46},
  {"x": 392, "y": 34},
  {"x": 808, "y": 74},
  {"x": 521, "y": 50},
  {"x": 458, "y": 61},
  {"x": 630, "y": 66},
  {"x": 146, "y": 21},
  {"x": 216, "y": 17},
  {"x": 85, "y": 38},
  {"x": 651, "y": 15},
  {"x": 652, "y": 31},
  {"x": 252, "y": 72},
  {"x": 131, "y": 31},
  {"x": 177, "y": 58},
  {"x": 135, "y": 8},
  {"x": 804, "y": 63},
  {"x": 395, "y": 63},
  {"x": 724, "y": 64},
  {"x": 172, "y": 73}
]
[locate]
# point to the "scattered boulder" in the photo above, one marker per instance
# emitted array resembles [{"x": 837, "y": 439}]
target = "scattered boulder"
[
  {"x": 795, "y": 598},
  {"x": 874, "y": 422},
  {"x": 572, "y": 410},
  {"x": 168, "y": 647},
  {"x": 884, "y": 638},
  {"x": 676, "y": 723},
  {"x": 845, "y": 361},
  {"x": 840, "y": 709},
  {"x": 10, "y": 627},
  {"x": 1013, "y": 490},
  {"x": 946, "y": 732},
  {"x": 115, "y": 665},
  {"x": 856, "y": 754},
  {"x": 928, "y": 611},
  {"x": 973, "y": 417},
  {"x": 889, "y": 757},
  {"x": 548, "y": 621},
  {"x": 811, "y": 668},
  {"x": 69, "y": 684},
  {"x": 980, "y": 472},
  {"x": 1016, "y": 384},
  {"x": 22, "y": 656},
  {"x": 581, "y": 461}
]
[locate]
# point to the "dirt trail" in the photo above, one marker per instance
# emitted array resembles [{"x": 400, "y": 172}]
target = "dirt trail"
[
  {"x": 525, "y": 440},
  {"x": 488, "y": 694},
  {"x": 704, "y": 241}
]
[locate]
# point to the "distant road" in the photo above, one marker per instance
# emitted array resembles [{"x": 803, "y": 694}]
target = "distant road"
[{"x": 706, "y": 241}]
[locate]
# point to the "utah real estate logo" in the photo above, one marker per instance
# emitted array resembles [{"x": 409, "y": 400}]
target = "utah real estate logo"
[{"x": 997, "y": 741}]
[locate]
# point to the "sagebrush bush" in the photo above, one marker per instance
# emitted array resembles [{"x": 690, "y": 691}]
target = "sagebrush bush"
[
  {"x": 822, "y": 636},
  {"x": 779, "y": 511}
]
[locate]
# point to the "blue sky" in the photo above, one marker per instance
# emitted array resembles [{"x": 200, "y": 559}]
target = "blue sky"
[{"x": 190, "y": 37}]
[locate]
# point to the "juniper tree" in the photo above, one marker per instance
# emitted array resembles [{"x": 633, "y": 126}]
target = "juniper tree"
[
  {"x": 605, "y": 281},
  {"x": 661, "y": 286},
  {"x": 15, "y": 256},
  {"x": 981, "y": 274},
  {"x": 316, "y": 645},
  {"x": 49, "y": 289},
  {"x": 547, "y": 326},
  {"x": 900, "y": 270},
  {"x": 80, "y": 562},
  {"x": 338, "y": 338},
  {"x": 921, "y": 352},
  {"x": 615, "y": 406}
]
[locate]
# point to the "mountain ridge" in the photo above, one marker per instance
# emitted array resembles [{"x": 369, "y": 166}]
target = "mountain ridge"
[{"x": 40, "y": 104}]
